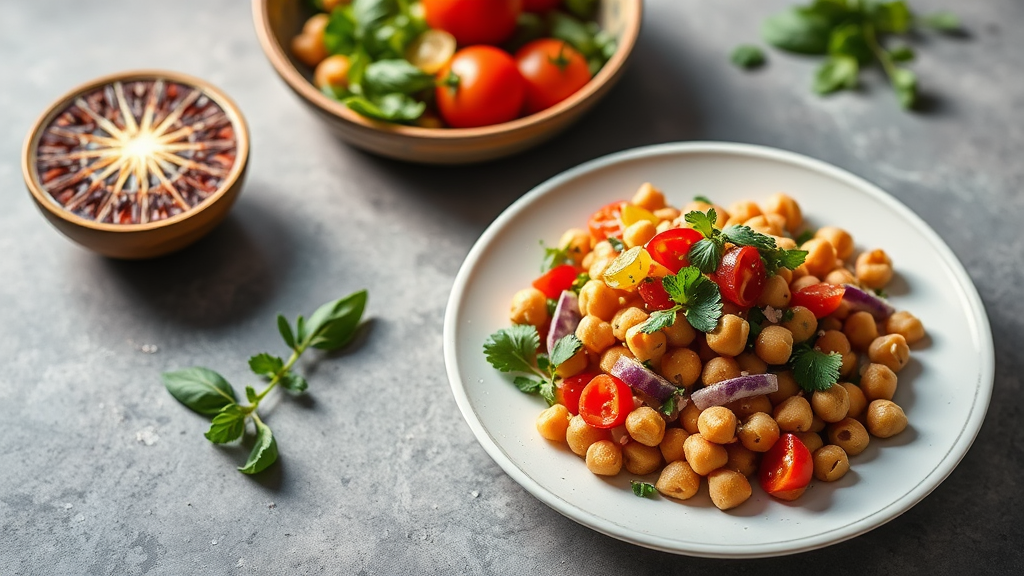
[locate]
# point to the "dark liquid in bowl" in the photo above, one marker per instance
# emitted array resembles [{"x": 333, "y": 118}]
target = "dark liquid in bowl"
[{"x": 136, "y": 152}]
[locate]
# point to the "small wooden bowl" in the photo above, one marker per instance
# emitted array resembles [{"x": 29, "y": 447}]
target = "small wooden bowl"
[
  {"x": 186, "y": 172},
  {"x": 278, "y": 21}
]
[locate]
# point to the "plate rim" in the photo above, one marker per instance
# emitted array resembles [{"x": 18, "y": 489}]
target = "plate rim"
[{"x": 977, "y": 319}]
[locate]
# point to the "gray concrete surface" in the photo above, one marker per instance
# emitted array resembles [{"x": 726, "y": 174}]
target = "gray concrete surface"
[{"x": 102, "y": 472}]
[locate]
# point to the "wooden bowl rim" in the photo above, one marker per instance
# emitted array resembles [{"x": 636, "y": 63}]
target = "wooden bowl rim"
[
  {"x": 291, "y": 75},
  {"x": 43, "y": 198}
]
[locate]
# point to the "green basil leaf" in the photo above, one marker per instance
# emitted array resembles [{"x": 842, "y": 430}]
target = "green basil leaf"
[
  {"x": 371, "y": 14},
  {"x": 250, "y": 395},
  {"x": 905, "y": 83},
  {"x": 395, "y": 76},
  {"x": 902, "y": 53},
  {"x": 294, "y": 382},
  {"x": 836, "y": 73},
  {"x": 201, "y": 389},
  {"x": 264, "y": 453},
  {"x": 848, "y": 40},
  {"x": 286, "y": 330},
  {"x": 340, "y": 33},
  {"x": 265, "y": 365},
  {"x": 334, "y": 324},
  {"x": 571, "y": 30},
  {"x": 892, "y": 17},
  {"x": 798, "y": 30},
  {"x": 747, "y": 56},
  {"x": 390, "y": 108},
  {"x": 227, "y": 425}
]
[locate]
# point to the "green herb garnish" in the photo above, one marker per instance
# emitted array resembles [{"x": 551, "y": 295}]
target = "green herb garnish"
[
  {"x": 332, "y": 326},
  {"x": 643, "y": 489},
  {"x": 514, "y": 350},
  {"x": 813, "y": 369},
  {"x": 696, "y": 295},
  {"x": 747, "y": 56},
  {"x": 617, "y": 245}
]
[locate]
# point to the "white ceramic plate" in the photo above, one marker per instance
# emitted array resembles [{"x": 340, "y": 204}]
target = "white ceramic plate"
[{"x": 945, "y": 391}]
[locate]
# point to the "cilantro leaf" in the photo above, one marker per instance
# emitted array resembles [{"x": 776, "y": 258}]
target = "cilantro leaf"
[
  {"x": 581, "y": 279},
  {"x": 676, "y": 286},
  {"x": 227, "y": 425},
  {"x": 547, "y": 392},
  {"x": 757, "y": 321},
  {"x": 670, "y": 404},
  {"x": 554, "y": 257},
  {"x": 617, "y": 244},
  {"x": 804, "y": 237},
  {"x": 527, "y": 385},
  {"x": 643, "y": 489},
  {"x": 552, "y": 305},
  {"x": 699, "y": 296},
  {"x": 704, "y": 199},
  {"x": 265, "y": 365},
  {"x": 782, "y": 258},
  {"x": 706, "y": 254},
  {"x": 747, "y": 236},
  {"x": 746, "y": 56},
  {"x": 813, "y": 369},
  {"x": 659, "y": 319},
  {"x": 565, "y": 348},
  {"x": 513, "y": 349},
  {"x": 701, "y": 222}
]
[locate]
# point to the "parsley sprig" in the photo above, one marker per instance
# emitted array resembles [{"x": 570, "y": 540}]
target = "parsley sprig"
[
  {"x": 706, "y": 253},
  {"x": 332, "y": 326},
  {"x": 514, "y": 350},
  {"x": 695, "y": 295},
  {"x": 813, "y": 369}
]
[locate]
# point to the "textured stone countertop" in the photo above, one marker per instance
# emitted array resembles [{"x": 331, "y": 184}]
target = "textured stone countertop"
[{"x": 102, "y": 472}]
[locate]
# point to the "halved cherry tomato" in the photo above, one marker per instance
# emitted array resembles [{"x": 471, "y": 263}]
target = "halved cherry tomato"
[
  {"x": 786, "y": 468},
  {"x": 741, "y": 275},
  {"x": 480, "y": 86},
  {"x": 606, "y": 402},
  {"x": 607, "y": 221},
  {"x": 552, "y": 70},
  {"x": 654, "y": 294},
  {"x": 474, "y": 21},
  {"x": 821, "y": 299},
  {"x": 669, "y": 248},
  {"x": 568, "y": 391},
  {"x": 556, "y": 280}
]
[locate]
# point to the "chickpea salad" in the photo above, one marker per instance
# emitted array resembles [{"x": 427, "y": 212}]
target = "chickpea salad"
[{"x": 737, "y": 346}]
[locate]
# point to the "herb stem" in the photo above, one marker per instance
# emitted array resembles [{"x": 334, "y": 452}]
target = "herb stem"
[
  {"x": 879, "y": 52},
  {"x": 299, "y": 349}
]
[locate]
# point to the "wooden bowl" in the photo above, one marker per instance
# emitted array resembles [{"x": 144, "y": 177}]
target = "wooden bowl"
[
  {"x": 137, "y": 164},
  {"x": 278, "y": 21}
]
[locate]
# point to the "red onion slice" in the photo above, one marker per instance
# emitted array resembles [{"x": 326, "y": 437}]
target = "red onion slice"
[
  {"x": 640, "y": 378},
  {"x": 566, "y": 318},
  {"x": 860, "y": 299},
  {"x": 726, "y": 391}
]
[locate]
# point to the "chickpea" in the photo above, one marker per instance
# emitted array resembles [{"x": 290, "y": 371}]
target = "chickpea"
[
  {"x": 646, "y": 426},
  {"x": 786, "y": 207},
  {"x": 678, "y": 480},
  {"x": 803, "y": 324},
  {"x": 666, "y": 215},
  {"x": 885, "y": 418},
  {"x": 729, "y": 337},
  {"x": 610, "y": 356},
  {"x": 829, "y": 323},
  {"x": 830, "y": 463},
  {"x": 776, "y": 293},
  {"x": 832, "y": 341},
  {"x": 553, "y": 422},
  {"x": 786, "y": 244},
  {"x": 625, "y": 319},
  {"x": 849, "y": 435},
  {"x": 878, "y": 382},
  {"x": 529, "y": 306},
  {"x": 905, "y": 324},
  {"x": 576, "y": 243},
  {"x": 774, "y": 345},
  {"x": 759, "y": 432},
  {"x": 728, "y": 488},
  {"x": 860, "y": 330},
  {"x": 604, "y": 249},
  {"x": 688, "y": 418},
  {"x": 741, "y": 459},
  {"x": 704, "y": 456},
  {"x": 874, "y": 268},
  {"x": 580, "y": 435},
  {"x": 638, "y": 233},
  {"x": 672, "y": 444},
  {"x": 717, "y": 424},
  {"x": 785, "y": 273},
  {"x": 840, "y": 275},
  {"x": 648, "y": 197},
  {"x": 821, "y": 257},
  {"x": 787, "y": 387},
  {"x": 640, "y": 458},
  {"x": 604, "y": 458},
  {"x": 840, "y": 240},
  {"x": 794, "y": 414},
  {"x": 817, "y": 424},
  {"x": 850, "y": 361},
  {"x": 598, "y": 299},
  {"x": 764, "y": 225},
  {"x": 841, "y": 312},
  {"x": 857, "y": 400},
  {"x": 595, "y": 334},
  {"x": 681, "y": 366},
  {"x": 308, "y": 46},
  {"x": 831, "y": 405},
  {"x": 718, "y": 369},
  {"x": 646, "y": 347},
  {"x": 745, "y": 407},
  {"x": 332, "y": 72},
  {"x": 802, "y": 282},
  {"x": 750, "y": 363},
  {"x": 812, "y": 440},
  {"x": 680, "y": 333},
  {"x": 890, "y": 350},
  {"x": 744, "y": 210},
  {"x": 576, "y": 363}
]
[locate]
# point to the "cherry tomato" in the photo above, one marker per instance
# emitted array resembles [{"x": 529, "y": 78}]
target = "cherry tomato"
[
  {"x": 607, "y": 221},
  {"x": 474, "y": 21},
  {"x": 553, "y": 70},
  {"x": 606, "y": 402},
  {"x": 821, "y": 299},
  {"x": 540, "y": 5},
  {"x": 741, "y": 275},
  {"x": 654, "y": 294},
  {"x": 567, "y": 391},
  {"x": 556, "y": 280},
  {"x": 480, "y": 86},
  {"x": 669, "y": 248},
  {"x": 786, "y": 468}
]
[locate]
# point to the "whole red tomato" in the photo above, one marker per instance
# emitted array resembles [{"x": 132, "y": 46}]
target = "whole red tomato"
[
  {"x": 540, "y": 5},
  {"x": 474, "y": 21},
  {"x": 479, "y": 87},
  {"x": 741, "y": 275},
  {"x": 786, "y": 468},
  {"x": 553, "y": 70}
]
